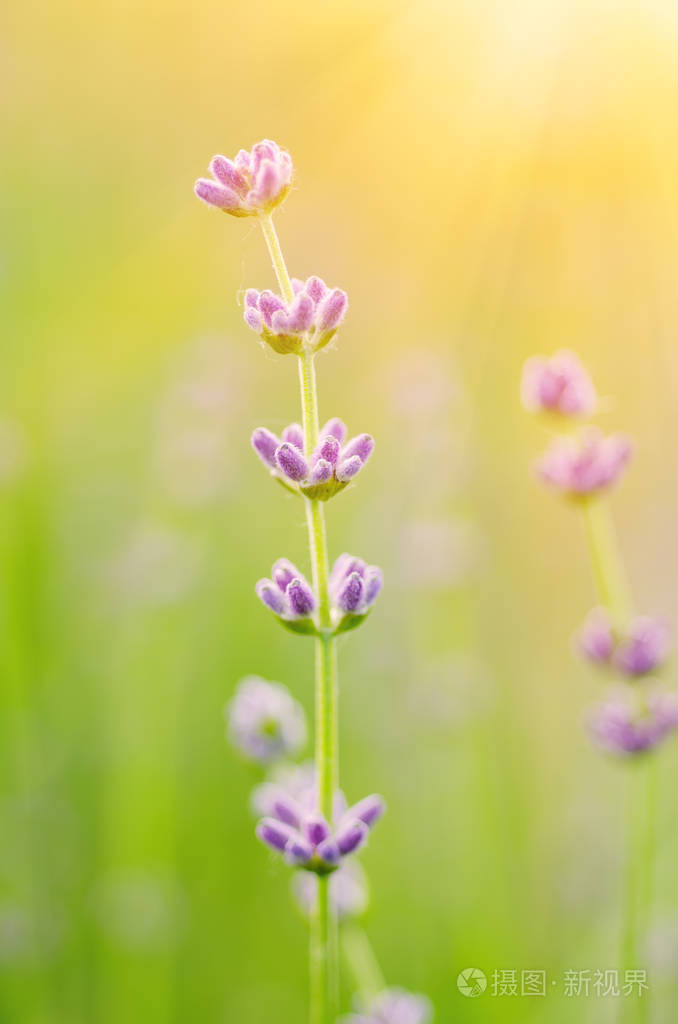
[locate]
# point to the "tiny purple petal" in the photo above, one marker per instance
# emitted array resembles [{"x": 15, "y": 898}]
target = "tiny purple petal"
[
  {"x": 225, "y": 171},
  {"x": 374, "y": 581},
  {"x": 350, "y": 836},
  {"x": 315, "y": 829},
  {"x": 337, "y": 428},
  {"x": 270, "y": 303},
  {"x": 350, "y": 596},
  {"x": 253, "y": 319},
  {"x": 265, "y": 445},
  {"x": 596, "y": 639},
  {"x": 252, "y": 298},
  {"x": 329, "y": 851},
  {"x": 332, "y": 310},
  {"x": 214, "y": 194},
  {"x": 321, "y": 472},
  {"x": 328, "y": 449},
  {"x": 301, "y": 598},
  {"x": 316, "y": 288},
  {"x": 291, "y": 462},
  {"x": 275, "y": 834},
  {"x": 286, "y": 809},
  {"x": 348, "y": 468},
  {"x": 294, "y": 434},
  {"x": 362, "y": 445},
  {"x": 645, "y": 647},
  {"x": 284, "y": 572},
  {"x": 369, "y": 810},
  {"x": 270, "y": 595}
]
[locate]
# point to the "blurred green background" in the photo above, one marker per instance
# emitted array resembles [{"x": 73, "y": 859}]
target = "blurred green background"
[{"x": 486, "y": 180}]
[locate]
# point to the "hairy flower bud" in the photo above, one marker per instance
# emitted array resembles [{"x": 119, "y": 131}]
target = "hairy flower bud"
[
  {"x": 559, "y": 384},
  {"x": 583, "y": 465},
  {"x": 251, "y": 184},
  {"x": 309, "y": 321}
]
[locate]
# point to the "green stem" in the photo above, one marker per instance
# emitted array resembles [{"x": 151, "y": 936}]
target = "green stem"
[
  {"x": 361, "y": 961},
  {"x": 608, "y": 569},
  {"x": 324, "y": 955},
  {"x": 614, "y": 594}
]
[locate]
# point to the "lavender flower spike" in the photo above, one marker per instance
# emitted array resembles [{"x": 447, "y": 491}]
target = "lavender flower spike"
[
  {"x": 394, "y": 1006},
  {"x": 313, "y": 845},
  {"x": 624, "y": 725},
  {"x": 289, "y": 596},
  {"x": 583, "y": 465},
  {"x": 264, "y": 721},
  {"x": 251, "y": 184},
  {"x": 331, "y": 466},
  {"x": 309, "y": 321},
  {"x": 559, "y": 384},
  {"x": 639, "y": 649}
]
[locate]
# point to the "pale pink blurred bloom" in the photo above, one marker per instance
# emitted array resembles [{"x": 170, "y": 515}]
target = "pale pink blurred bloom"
[
  {"x": 586, "y": 463},
  {"x": 558, "y": 384},
  {"x": 251, "y": 184}
]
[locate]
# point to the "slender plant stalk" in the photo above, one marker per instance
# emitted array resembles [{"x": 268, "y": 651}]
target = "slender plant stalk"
[
  {"x": 324, "y": 941},
  {"x": 361, "y": 961},
  {"x": 614, "y": 595}
]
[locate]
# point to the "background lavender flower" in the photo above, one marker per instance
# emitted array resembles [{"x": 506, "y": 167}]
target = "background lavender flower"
[
  {"x": 640, "y": 648},
  {"x": 584, "y": 464},
  {"x": 394, "y": 1006},
  {"x": 313, "y": 315},
  {"x": 252, "y": 183},
  {"x": 558, "y": 384},
  {"x": 264, "y": 721},
  {"x": 627, "y": 724},
  {"x": 331, "y": 466}
]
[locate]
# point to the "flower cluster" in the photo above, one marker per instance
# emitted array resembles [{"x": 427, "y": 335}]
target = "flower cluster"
[
  {"x": 309, "y": 321},
  {"x": 307, "y": 840},
  {"x": 251, "y": 184},
  {"x": 590, "y": 462},
  {"x": 394, "y": 1006},
  {"x": 558, "y": 385},
  {"x": 642, "y": 648},
  {"x": 330, "y": 468},
  {"x": 626, "y": 724},
  {"x": 354, "y": 587},
  {"x": 265, "y": 723}
]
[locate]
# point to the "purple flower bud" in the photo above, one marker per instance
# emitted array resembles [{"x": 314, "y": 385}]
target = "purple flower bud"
[
  {"x": 596, "y": 639},
  {"x": 321, "y": 472},
  {"x": 257, "y": 181},
  {"x": 585, "y": 464},
  {"x": 294, "y": 434},
  {"x": 291, "y": 462},
  {"x": 284, "y": 572},
  {"x": 559, "y": 384},
  {"x": 644, "y": 648},
  {"x": 298, "y": 852},
  {"x": 350, "y": 836},
  {"x": 316, "y": 288},
  {"x": 265, "y": 723},
  {"x": 315, "y": 829},
  {"x": 368, "y": 810},
  {"x": 329, "y": 852},
  {"x": 301, "y": 598},
  {"x": 332, "y": 310},
  {"x": 225, "y": 171},
  {"x": 337, "y": 428},
  {"x": 362, "y": 446},
  {"x": 350, "y": 596},
  {"x": 275, "y": 834},
  {"x": 374, "y": 581},
  {"x": 265, "y": 444},
  {"x": 271, "y": 596},
  {"x": 286, "y": 809},
  {"x": 300, "y": 315},
  {"x": 348, "y": 468},
  {"x": 269, "y": 304},
  {"x": 253, "y": 318},
  {"x": 214, "y": 194},
  {"x": 328, "y": 449}
]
